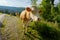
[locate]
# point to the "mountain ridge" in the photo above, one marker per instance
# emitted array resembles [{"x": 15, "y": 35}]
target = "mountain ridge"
[{"x": 11, "y": 9}]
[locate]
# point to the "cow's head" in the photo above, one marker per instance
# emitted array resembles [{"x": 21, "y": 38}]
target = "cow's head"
[{"x": 34, "y": 16}]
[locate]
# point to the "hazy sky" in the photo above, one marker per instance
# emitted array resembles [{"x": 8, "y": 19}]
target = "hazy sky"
[{"x": 18, "y": 3}]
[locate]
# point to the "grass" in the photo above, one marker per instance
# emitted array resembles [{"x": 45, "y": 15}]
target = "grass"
[
  {"x": 43, "y": 30},
  {"x": 12, "y": 28}
]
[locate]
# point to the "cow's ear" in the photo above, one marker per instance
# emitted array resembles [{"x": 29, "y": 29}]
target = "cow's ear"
[{"x": 28, "y": 9}]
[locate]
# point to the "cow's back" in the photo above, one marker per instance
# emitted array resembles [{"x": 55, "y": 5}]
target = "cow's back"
[{"x": 22, "y": 15}]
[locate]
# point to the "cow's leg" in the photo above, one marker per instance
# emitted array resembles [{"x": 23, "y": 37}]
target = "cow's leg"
[
  {"x": 26, "y": 27},
  {"x": 23, "y": 25}
]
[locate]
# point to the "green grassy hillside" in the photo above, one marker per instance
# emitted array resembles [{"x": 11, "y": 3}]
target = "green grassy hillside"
[{"x": 12, "y": 30}]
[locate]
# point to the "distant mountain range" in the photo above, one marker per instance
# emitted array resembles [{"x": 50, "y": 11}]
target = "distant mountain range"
[{"x": 11, "y": 9}]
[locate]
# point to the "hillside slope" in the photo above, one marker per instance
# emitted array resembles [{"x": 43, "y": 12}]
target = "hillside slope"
[{"x": 12, "y": 30}]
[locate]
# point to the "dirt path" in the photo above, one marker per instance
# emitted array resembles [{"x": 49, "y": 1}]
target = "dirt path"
[
  {"x": 1, "y": 20},
  {"x": 2, "y": 17},
  {"x": 12, "y": 28}
]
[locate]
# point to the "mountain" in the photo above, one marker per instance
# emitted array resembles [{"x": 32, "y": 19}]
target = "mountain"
[{"x": 11, "y": 9}]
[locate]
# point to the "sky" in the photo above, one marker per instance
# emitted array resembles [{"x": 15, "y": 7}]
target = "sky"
[{"x": 19, "y": 3}]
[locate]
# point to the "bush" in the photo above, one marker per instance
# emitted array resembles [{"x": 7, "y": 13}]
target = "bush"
[
  {"x": 46, "y": 30},
  {"x": 57, "y": 18}
]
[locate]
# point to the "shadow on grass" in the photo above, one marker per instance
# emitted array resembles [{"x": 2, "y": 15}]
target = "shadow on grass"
[{"x": 1, "y": 25}]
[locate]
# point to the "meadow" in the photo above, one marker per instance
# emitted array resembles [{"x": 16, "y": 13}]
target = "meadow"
[
  {"x": 48, "y": 28},
  {"x": 43, "y": 30}
]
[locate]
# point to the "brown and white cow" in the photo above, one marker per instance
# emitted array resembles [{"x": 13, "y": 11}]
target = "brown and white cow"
[{"x": 27, "y": 15}]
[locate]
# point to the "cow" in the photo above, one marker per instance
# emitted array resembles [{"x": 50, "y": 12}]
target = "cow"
[{"x": 27, "y": 16}]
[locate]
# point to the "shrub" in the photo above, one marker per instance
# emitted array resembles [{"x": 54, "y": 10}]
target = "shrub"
[
  {"x": 46, "y": 30},
  {"x": 57, "y": 18}
]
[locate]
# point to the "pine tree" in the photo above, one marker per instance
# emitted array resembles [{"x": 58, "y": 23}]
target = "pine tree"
[
  {"x": 52, "y": 7},
  {"x": 59, "y": 6},
  {"x": 46, "y": 8}
]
